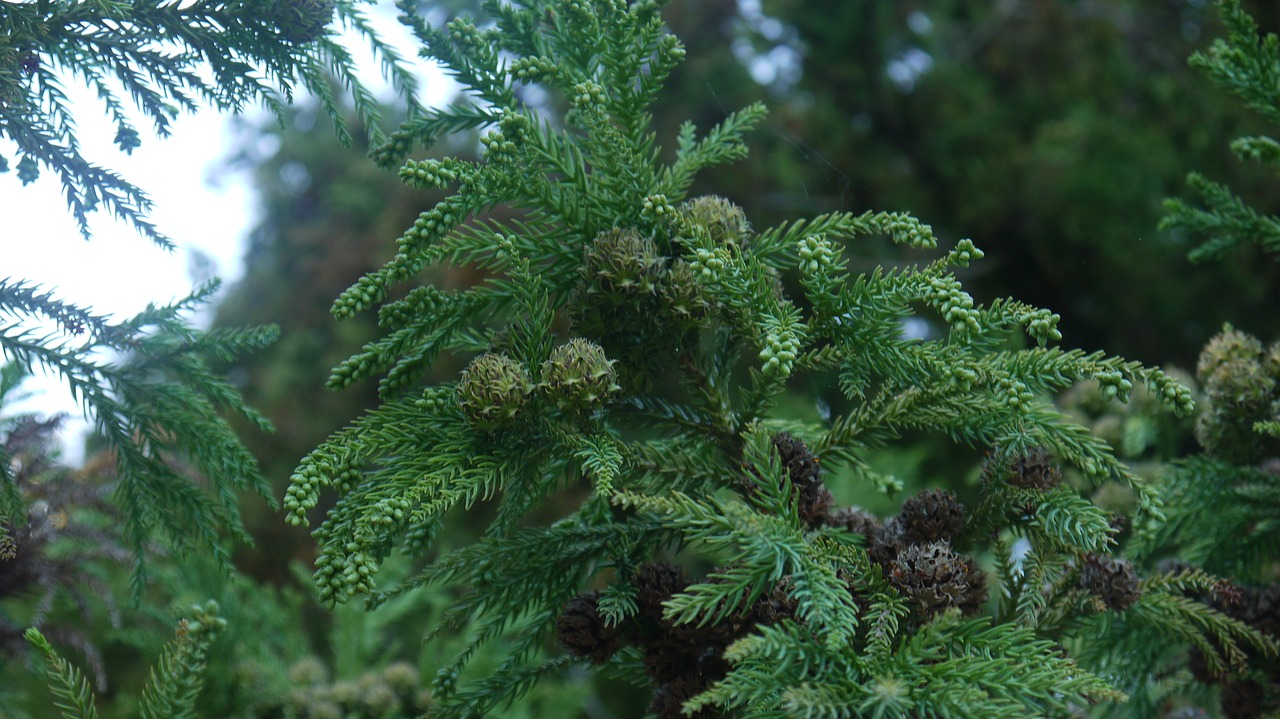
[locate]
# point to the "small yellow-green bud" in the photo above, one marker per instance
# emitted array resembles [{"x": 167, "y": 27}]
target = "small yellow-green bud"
[
  {"x": 308, "y": 671},
  {"x": 965, "y": 252},
  {"x": 655, "y": 207},
  {"x": 1271, "y": 362},
  {"x": 401, "y": 676},
  {"x": 816, "y": 253},
  {"x": 380, "y": 699}
]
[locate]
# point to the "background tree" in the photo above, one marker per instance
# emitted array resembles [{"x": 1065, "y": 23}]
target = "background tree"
[
  {"x": 178, "y": 470},
  {"x": 1055, "y": 130}
]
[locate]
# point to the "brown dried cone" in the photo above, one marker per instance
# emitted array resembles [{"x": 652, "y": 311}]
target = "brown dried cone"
[
  {"x": 936, "y": 578},
  {"x": 20, "y": 565},
  {"x": 1259, "y": 607},
  {"x": 1112, "y": 580},
  {"x": 802, "y": 469},
  {"x": 583, "y": 631},
  {"x": 770, "y": 608},
  {"x": 1226, "y": 593},
  {"x": 667, "y": 658},
  {"x": 1119, "y": 525},
  {"x": 887, "y": 543},
  {"x": 655, "y": 582},
  {"x": 931, "y": 516},
  {"x": 669, "y": 698},
  {"x": 670, "y": 650},
  {"x": 1035, "y": 470},
  {"x": 1200, "y": 670},
  {"x": 1242, "y": 699},
  {"x": 855, "y": 520}
]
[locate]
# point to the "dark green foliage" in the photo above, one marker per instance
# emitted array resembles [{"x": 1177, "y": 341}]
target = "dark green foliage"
[
  {"x": 56, "y": 538},
  {"x": 313, "y": 240},
  {"x": 1223, "y": 502},
  {"x": 620, "y": 468},
  {"x": 157, "y": 410},
  {"x": 165, "y": 58},
  {"x": 1248, "y": 67},
  {"x": 175, "y": 680},
  {"x": 173, "y": 469},
  {"x": 1049, "y": 131},
  {"x": 1240, "y": 386},
  {"x": 589, "y": 483}
]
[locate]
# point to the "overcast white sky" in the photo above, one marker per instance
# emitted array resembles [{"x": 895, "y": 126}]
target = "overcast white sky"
[{"x": 118, "y": 271}]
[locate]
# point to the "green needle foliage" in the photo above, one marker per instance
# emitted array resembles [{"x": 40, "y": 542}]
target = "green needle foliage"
[
  {"x": 175, "y": 681},
  {"x": 71, "y": 691},
  {"x": 1224, "y": 503},
  {"x": 630, "y": 347},
  {"x": 163, "y": 58},
  {"x": 177, "y": 470},
  {"x": 1248, "y": 67},
  {"x": 147, "y": 381},
  {"x": 156, "y": 403}
]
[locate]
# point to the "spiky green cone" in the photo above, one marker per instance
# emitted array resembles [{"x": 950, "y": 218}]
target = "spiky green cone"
[
  {"x": 492, "y": 390},
  {"x": 1240, "y": 389},
  {"x": 681, "y": 296},
  {"x": 620, "y": 263},
  {"x": 579, "y": 376},
  {"x": 720, "y": 219}
]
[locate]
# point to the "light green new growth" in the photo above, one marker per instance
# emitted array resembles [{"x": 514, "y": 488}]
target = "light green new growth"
[
  {"x": 1224, "y": 502},
  {"x": 175, "y": 682}
]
